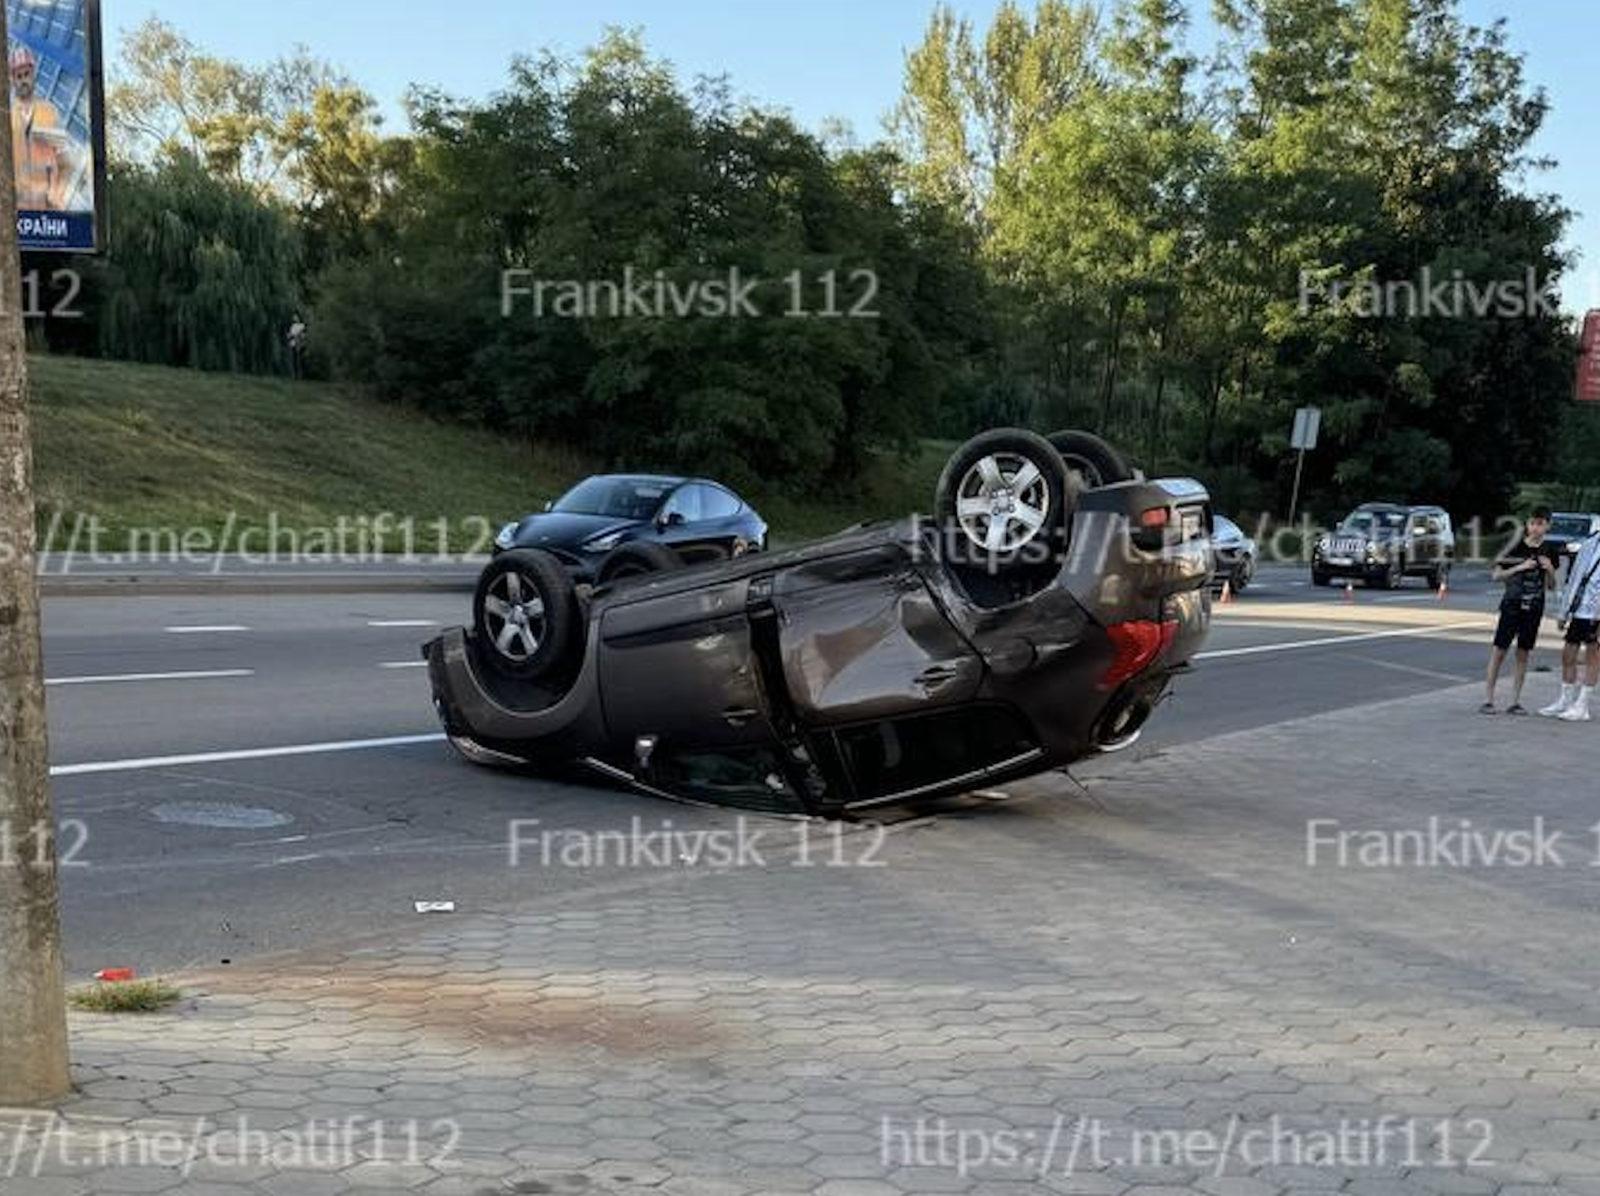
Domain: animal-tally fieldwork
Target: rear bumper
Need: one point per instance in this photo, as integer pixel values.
(501, 715)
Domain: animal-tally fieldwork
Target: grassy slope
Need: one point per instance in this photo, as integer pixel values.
(149, 447)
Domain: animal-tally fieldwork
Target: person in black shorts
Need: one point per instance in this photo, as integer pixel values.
(1579, 617)
(1528, 571)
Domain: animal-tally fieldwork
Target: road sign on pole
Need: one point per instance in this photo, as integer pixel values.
(1307, 424)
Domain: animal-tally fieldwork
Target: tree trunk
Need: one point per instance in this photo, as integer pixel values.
(33, 1020)
(1151, 462)
(1211, 410)
(1110, 391)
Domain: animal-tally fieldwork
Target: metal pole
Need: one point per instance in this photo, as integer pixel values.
(33, 1019)
(1294, 499)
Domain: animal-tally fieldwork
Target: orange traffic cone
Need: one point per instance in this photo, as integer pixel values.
(1227, 592)
(1349, 591)
(1444, 587)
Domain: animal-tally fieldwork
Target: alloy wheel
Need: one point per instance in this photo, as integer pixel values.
(1003, 502)
(514, 615)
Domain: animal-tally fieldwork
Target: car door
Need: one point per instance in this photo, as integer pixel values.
(700, 522)
(678, 665)
(722, 515)
(678, 521)
(861, 637)
(1423, 546)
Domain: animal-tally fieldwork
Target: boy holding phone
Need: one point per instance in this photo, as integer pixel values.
(1528, 571)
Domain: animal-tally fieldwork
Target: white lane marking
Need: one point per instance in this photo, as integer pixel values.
(402, 623)
(193, 675)
(211, 629)
(1435, 674)
(1332, 640)
(291, 859)
(300, 749)
(404, 664)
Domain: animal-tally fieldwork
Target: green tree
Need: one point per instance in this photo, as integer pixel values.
(205, 273)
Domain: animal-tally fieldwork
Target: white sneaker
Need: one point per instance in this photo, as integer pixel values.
(1569, 695)
(1579, 712)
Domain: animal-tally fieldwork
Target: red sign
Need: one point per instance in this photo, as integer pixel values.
(1589, 360)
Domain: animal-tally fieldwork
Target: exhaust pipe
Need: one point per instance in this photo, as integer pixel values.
(1122, 724)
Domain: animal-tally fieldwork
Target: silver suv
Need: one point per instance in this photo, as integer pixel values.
(1384, 543)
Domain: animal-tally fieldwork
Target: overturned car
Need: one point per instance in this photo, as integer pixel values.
(1038, 618)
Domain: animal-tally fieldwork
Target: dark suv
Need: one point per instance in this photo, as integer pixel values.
(1040, 617)
(1384, 543)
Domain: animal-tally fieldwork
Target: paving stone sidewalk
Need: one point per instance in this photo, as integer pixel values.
(1140, 983)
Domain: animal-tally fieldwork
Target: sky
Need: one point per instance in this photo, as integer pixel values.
(819, 59)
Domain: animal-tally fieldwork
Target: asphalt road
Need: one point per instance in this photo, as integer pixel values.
(311, 800)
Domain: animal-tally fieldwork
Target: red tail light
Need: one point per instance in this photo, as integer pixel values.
(1138, 645)
(1155, 517)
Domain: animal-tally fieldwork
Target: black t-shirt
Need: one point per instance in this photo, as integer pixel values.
(1526, 590)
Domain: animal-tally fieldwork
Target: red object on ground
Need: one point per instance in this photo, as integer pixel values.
(114, 975)
(1588, 388)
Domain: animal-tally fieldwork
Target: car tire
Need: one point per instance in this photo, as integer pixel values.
(1006, 500)
(1319, 578)
(1242, 576)
(526, 615)
(638, 559)
(1094, 461)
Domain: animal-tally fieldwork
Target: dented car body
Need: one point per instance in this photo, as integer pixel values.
(862, 670)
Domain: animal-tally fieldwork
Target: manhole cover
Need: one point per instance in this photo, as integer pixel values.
(224, 815)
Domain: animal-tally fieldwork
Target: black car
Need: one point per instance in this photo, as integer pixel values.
(1039, 618)
(1235, 555)
(1383, 543)
(699, 519)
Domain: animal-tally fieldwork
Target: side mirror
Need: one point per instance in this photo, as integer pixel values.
(672, 519)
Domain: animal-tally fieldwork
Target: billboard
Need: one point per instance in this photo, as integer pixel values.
(57, 123)
(1589, 360)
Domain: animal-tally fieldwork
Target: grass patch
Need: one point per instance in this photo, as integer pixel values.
(891, 486)
(137, 447)
(132, 996)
